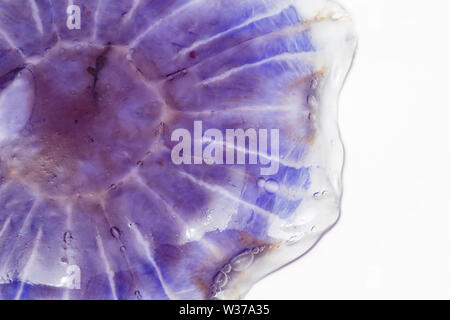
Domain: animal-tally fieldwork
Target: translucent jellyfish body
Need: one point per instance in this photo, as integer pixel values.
(165, 149)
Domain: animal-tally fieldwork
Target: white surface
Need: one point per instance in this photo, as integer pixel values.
(393, 240)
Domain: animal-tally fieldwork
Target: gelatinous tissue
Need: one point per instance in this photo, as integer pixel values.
(166, 149)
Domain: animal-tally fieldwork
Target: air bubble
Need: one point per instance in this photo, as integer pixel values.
(314, 83)
(213, 291)
(272, 186)
(261, 183)
(221, 279)
(312, 101)
(242, 261)
(320, 195)
(295, 238)
(115, 232)
(258, 250)
(227, 268)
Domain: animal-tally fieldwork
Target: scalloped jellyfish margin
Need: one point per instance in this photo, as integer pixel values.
(91, 206)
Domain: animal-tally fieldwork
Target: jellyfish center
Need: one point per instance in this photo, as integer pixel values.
(92, 120)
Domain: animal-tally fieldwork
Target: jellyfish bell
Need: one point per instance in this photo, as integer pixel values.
(92, 205)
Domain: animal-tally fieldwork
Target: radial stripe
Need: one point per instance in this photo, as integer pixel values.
(272, 13)
(29, 263)
(108, 269)
(144, 243)
(139, 38)
(287, 56)
(37, 16)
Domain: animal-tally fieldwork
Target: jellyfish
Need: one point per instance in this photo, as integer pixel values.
(156, 149)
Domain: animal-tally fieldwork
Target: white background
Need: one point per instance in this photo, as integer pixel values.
(393, 240)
